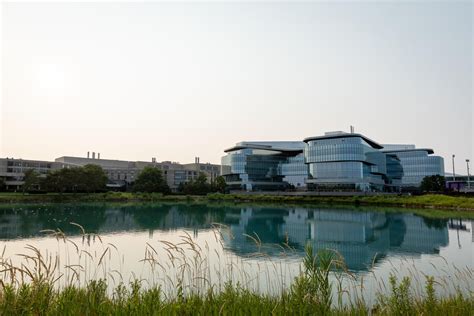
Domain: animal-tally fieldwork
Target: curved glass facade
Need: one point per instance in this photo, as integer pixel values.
(339, 149)
(334, 162)
(394, 170)
(294, 171)
(417, 164)
(254, 167)
(345, 161)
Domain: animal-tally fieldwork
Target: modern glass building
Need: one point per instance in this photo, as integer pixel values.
(417, 163)
(336, 161)
(261, 166)
(343, 161)
(394, 174)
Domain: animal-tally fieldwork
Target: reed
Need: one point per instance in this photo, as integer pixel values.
(183, 280)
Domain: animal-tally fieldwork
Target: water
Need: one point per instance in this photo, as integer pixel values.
(260, 247)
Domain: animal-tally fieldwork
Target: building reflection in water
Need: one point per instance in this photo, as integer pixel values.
(359, 236)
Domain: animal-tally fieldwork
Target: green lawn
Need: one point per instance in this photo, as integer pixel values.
(431, 203)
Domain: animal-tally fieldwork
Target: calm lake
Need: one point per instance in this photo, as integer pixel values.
(208, 245)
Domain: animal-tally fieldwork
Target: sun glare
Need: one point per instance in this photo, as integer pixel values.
(49, 80)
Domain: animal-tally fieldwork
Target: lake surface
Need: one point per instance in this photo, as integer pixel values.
(260, 247)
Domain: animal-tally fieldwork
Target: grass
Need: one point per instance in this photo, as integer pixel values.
(8, 197)
(40, 285)
(430, 205)
(310, 294)
(428, 200)
(422, 201)
(42, 299)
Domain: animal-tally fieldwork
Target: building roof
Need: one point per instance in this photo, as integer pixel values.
(345, 135)
(428, 150)
(25, 160)
(263, 147)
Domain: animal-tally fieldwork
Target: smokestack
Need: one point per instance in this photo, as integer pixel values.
(93, 155)
(87, 155)
(98, 156)
(352, 129)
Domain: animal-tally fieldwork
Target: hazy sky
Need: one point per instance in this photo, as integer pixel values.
(178, 80)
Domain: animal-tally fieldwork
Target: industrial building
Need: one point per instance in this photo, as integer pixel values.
(12, 170)
(120, 173)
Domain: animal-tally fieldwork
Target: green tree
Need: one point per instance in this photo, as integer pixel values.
(70, 179)
(435, 183)
(92, 178)
(201, 186)
(3, 185)
(49, 183)
(150, 180)
(62, 180)
(31, 180)
(219, 184)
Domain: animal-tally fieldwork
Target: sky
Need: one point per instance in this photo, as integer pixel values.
(179, 80)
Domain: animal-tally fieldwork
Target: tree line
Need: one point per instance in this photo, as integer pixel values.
(92, 178)
(434, 183)
(200, 185)
(86, 179)
(151, 180)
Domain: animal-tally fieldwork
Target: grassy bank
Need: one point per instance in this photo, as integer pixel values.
(427, 201)
(431, 205)
(460, 204)
(93, 197)
(421, 201)
(309, 294)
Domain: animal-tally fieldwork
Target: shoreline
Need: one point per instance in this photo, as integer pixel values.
(462, 206)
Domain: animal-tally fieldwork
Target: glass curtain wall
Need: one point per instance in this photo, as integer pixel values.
(344, 163)
(294, 171)
(337, 161)
(255, 169)
(394, 172)
(418, 164)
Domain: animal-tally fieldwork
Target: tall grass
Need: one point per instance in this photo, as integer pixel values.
(82, 278)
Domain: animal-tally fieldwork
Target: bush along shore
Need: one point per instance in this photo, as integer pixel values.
(311, 293)
(438, 201)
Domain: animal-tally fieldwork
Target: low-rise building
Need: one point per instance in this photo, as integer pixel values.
(12, 170)
(120, 173)
(460, 183)
(212, 171)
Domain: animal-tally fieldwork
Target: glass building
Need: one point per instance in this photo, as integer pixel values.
(417, 163)
(393, 179)
(261, 166)
(343, 161)
(336, 161)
